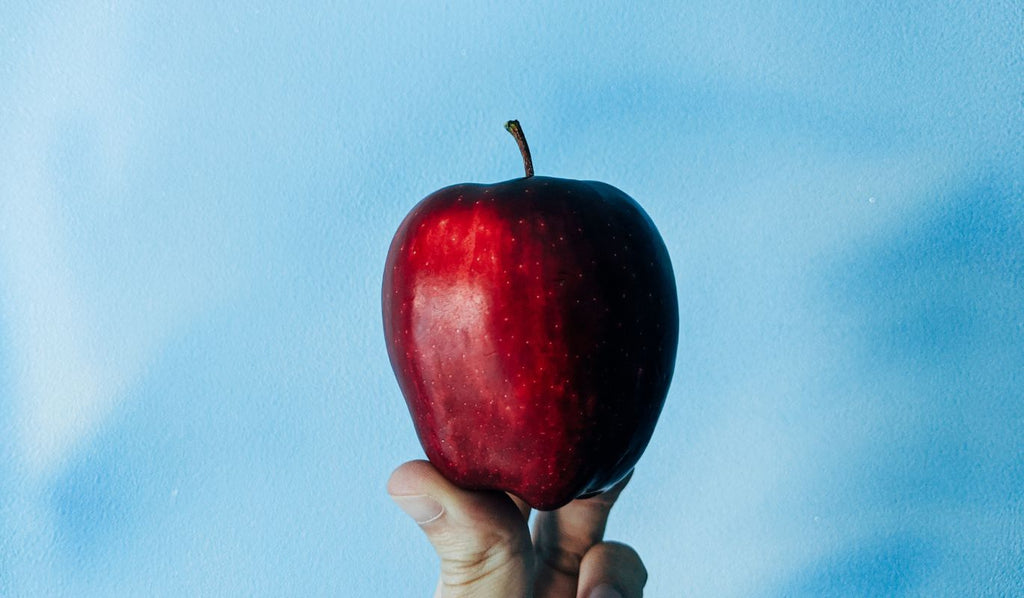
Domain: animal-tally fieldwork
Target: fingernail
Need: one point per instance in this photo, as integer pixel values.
(420, 507)
(604, 591)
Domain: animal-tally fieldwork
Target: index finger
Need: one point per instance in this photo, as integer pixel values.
(563, 536)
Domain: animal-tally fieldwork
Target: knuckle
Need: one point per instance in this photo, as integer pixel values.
(623, 556)
(469, 561)
(560, 558)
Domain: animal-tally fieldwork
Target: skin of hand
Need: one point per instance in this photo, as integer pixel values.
(486, 549)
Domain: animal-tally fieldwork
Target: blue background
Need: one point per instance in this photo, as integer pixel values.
(196, 202)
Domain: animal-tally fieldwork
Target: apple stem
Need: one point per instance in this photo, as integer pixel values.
(513, 127)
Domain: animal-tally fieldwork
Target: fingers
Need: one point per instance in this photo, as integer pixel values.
(612, 566)
(481, 537)
(562, 538)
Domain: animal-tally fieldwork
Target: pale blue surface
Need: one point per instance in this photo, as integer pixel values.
(195, 204)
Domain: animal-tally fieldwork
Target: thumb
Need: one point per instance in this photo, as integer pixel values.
(481, 538)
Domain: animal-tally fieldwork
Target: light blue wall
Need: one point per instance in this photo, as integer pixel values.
(195, 205)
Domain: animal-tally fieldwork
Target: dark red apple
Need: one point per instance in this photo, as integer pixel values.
(532, 326)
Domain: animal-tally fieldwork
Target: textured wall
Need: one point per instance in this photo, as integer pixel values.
(195, 204)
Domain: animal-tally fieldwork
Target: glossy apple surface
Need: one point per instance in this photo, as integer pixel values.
(532, 326)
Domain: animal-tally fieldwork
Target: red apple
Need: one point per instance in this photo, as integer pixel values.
(532, 326)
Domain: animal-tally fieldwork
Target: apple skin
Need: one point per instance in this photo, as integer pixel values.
(532, 326)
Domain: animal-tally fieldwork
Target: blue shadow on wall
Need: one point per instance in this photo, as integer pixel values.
(887, 566)
(936, 313)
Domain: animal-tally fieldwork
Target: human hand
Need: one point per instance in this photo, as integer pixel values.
(486, 549)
